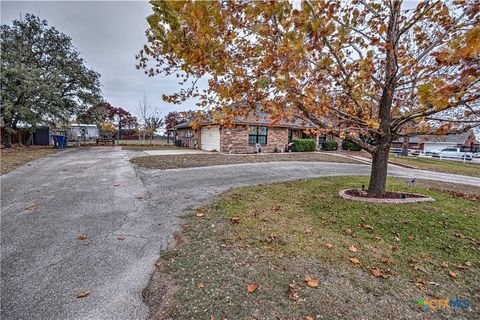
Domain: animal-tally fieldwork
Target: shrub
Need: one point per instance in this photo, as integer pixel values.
(303, 145)
(350, 146)
(330, 145)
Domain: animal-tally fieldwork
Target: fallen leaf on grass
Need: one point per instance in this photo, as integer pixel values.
(81, 236)
(460, 235)
(348, 232)
(311, 282)
(308, 230)
(355, 261)
(251, 288)
(452, 274)
(419, 283)
(293, 292)
(309, 318)
(235, 220)
(329, 245)
(367, 226)
(415, 266)
(32, 208)
(199, 214)
(276, 207)
(83, 294)
(378, 273)
(200, 285)
(352, 248)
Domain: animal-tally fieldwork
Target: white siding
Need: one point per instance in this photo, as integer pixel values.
(436, 146)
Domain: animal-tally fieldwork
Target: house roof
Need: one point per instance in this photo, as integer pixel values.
(451, 138)
(260, 118)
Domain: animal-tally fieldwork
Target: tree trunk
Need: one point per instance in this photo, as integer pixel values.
(405, 145)
(378, 175)
(30, 139)
(8, 139)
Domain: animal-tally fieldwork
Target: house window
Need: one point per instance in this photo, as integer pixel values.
(290, 135)
(322, 138)
(257, 135)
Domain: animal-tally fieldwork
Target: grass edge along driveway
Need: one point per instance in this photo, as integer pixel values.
(164, 162)
(12, 158)
(445, 166)
(295, 250)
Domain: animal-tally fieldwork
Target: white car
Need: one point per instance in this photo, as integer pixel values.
(453, 153)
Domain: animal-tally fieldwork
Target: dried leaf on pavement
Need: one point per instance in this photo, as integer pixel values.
(81, 236)
(82, 294)
(32, 208)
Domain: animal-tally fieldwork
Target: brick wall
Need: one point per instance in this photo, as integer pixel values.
(236, 139)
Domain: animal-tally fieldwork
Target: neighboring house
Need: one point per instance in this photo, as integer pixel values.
(242, 136)
(429, 143)
(467, 140)
(84, 131)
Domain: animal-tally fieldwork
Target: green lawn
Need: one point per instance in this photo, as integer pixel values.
(447, 166)
(215, 159)
(275, 235)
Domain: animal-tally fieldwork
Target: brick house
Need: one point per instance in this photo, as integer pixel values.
(241, 136)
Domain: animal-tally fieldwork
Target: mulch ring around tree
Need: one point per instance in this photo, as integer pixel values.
(388, 197)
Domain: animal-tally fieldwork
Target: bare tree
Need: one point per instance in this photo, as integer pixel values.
(145, 111)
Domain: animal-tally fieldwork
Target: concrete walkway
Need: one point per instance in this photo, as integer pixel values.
(97, 192)
(172, 152)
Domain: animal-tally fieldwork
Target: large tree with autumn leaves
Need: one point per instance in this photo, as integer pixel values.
(368, 71)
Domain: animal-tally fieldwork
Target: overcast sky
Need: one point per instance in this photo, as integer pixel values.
(108, 35)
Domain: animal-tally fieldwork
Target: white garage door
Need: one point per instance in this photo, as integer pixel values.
(210, 138)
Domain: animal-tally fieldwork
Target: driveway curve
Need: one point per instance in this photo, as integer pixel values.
(127, 214)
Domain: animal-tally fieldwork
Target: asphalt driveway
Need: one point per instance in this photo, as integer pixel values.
(127, 214)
